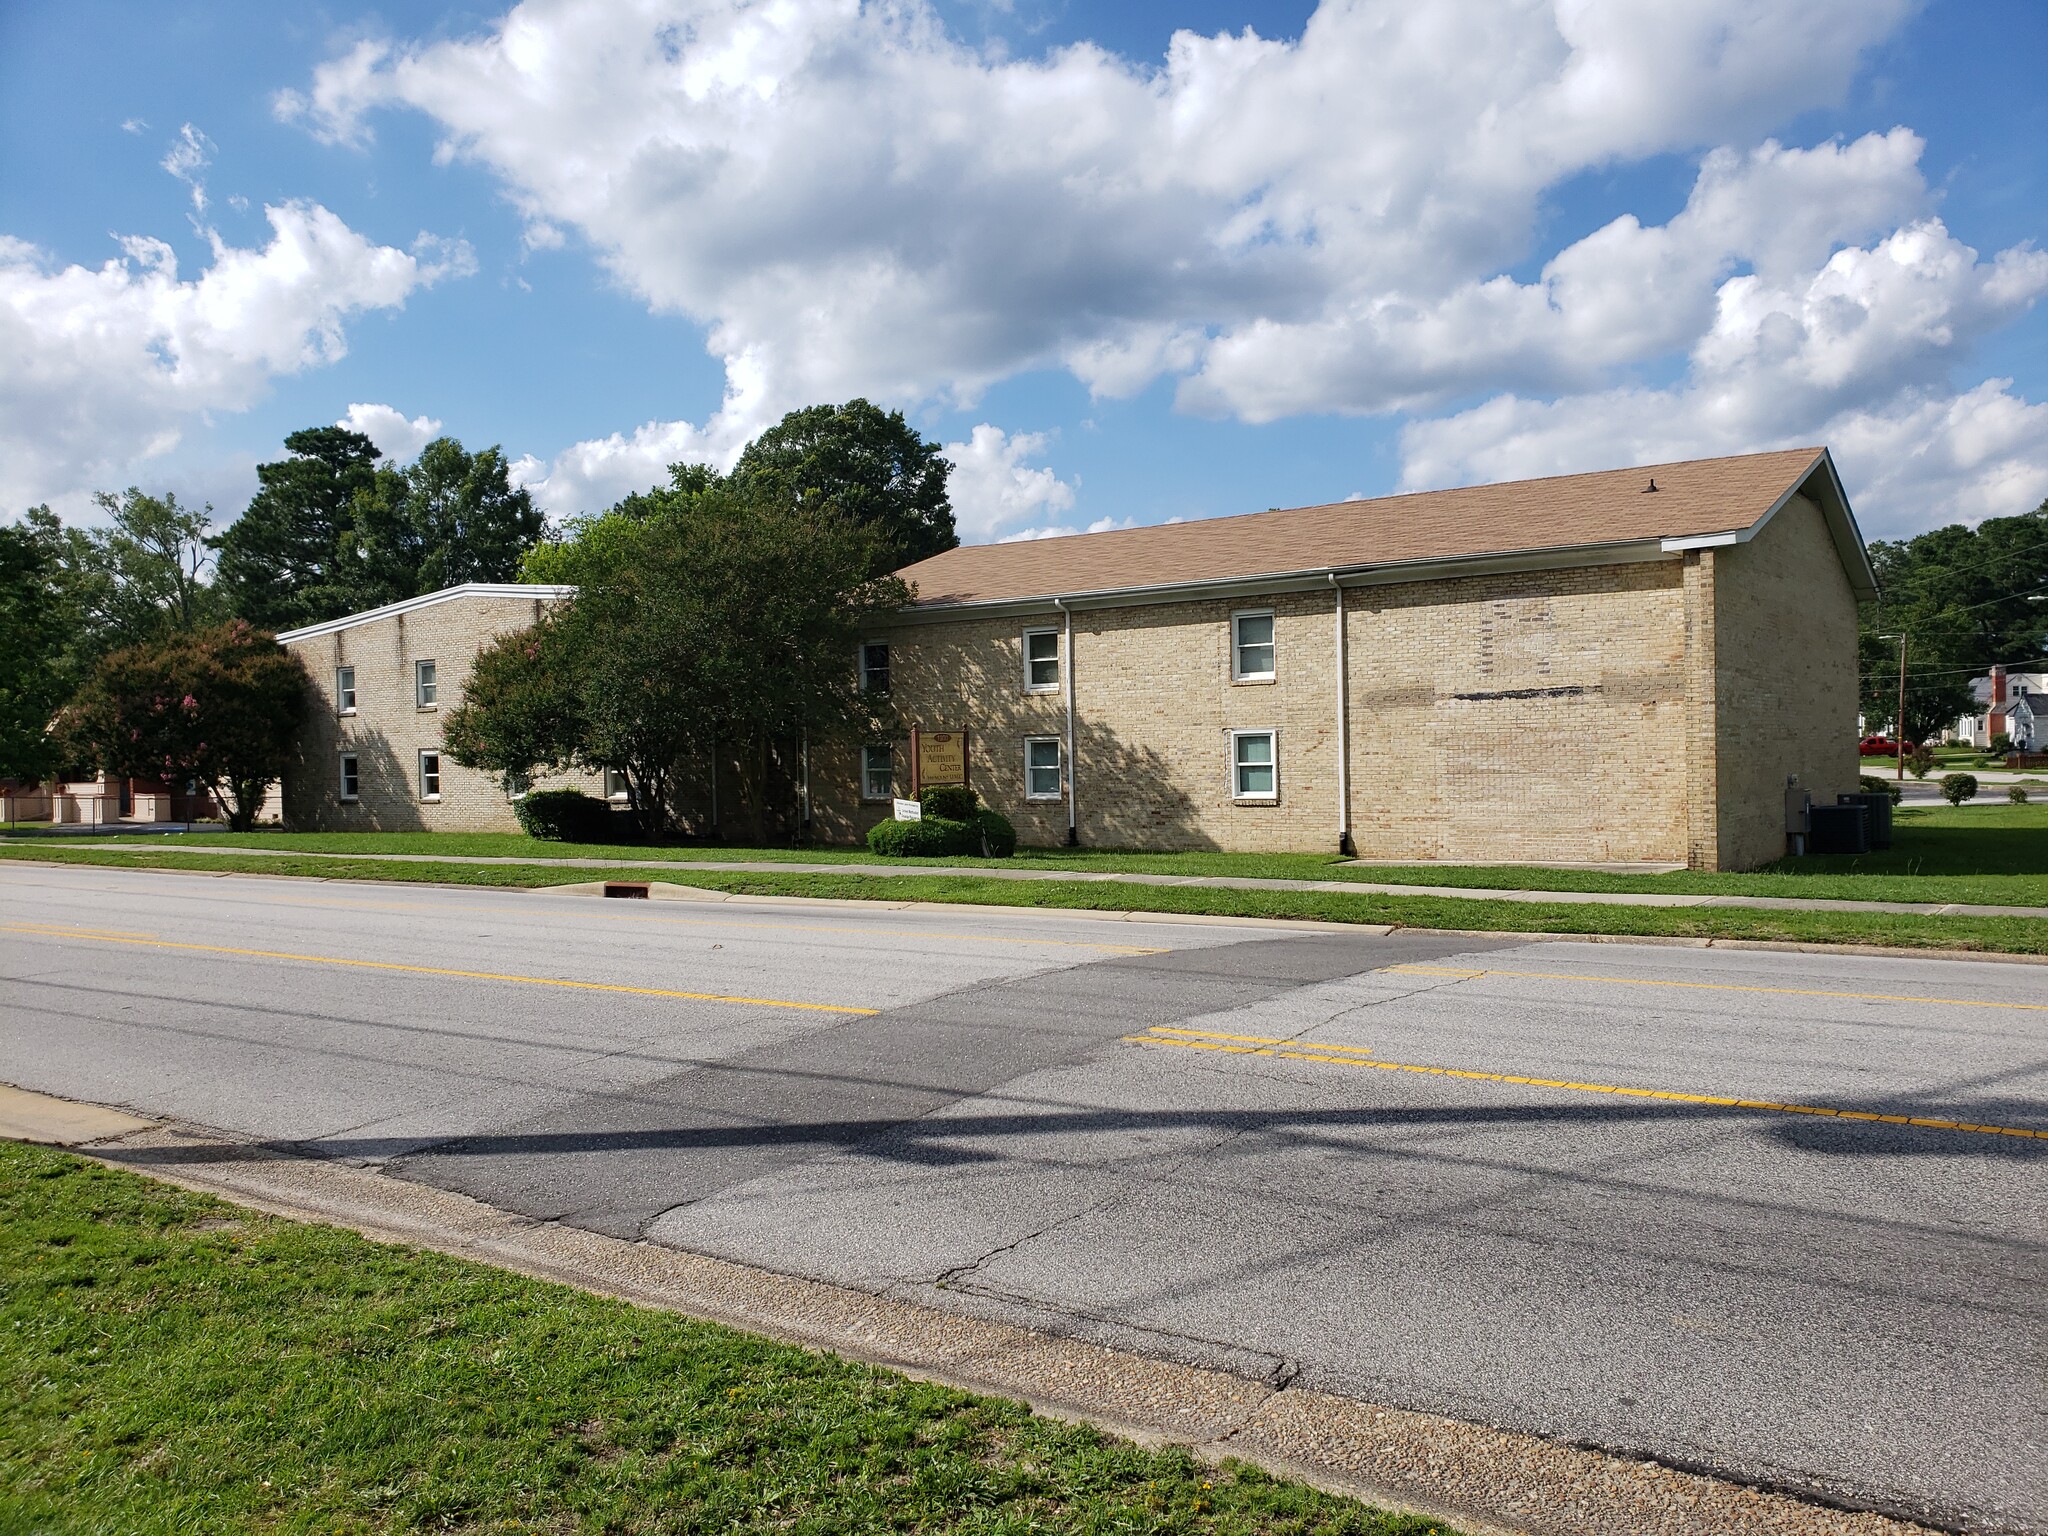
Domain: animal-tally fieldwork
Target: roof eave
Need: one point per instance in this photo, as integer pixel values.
(509, 589)
(1386, 573)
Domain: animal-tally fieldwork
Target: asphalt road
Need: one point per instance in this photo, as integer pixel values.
(1209, 1143)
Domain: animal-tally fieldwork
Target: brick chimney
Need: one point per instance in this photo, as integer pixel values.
(1997, 685)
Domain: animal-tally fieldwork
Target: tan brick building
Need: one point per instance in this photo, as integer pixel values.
(1621, 666)
(370, 755)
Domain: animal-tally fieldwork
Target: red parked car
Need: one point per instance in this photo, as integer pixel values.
(1879, 746)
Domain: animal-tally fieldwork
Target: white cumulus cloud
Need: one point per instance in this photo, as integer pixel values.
(387, 427)
(993, 488)
(850, 200)
(103, 368)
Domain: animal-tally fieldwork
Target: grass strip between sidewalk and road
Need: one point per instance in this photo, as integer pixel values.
(171, 1363)
(1982, 855)
(2007, 935)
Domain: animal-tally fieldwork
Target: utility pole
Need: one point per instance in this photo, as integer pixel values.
(1900, 723)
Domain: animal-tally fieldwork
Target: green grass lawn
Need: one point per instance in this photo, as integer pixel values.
(1988, 853)
(1331, 903)
(170, 1363)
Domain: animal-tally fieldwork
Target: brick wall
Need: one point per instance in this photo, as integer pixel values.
(389, 729)
(1530, 716)
(1785, 681)
(1539, 715)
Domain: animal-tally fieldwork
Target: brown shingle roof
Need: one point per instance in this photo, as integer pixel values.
(1699, 496)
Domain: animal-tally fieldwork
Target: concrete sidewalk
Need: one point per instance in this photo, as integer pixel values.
(684, 867)
(1486, 1481)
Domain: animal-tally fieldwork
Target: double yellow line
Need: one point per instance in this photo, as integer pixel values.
(1361, 1056)
(108, 936)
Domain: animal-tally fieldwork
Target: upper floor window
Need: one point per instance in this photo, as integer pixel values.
(878, 772)
(1041, 660)
(874, 667)
(345, 690)
(1251, 647)
(426, 684)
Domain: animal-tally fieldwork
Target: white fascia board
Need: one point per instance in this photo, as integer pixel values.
(511, 589)
(1834, 511)
(1314, 579)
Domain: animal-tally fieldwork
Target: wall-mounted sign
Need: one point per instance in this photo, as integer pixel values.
(909, 810)
(938, 757)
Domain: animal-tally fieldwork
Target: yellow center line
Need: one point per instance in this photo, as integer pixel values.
(1709, 986)
(97, 933)
(1212, 1034)
(432, 970)
(1669, 1095)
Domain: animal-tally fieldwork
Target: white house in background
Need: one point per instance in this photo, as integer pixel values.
(1998, 696)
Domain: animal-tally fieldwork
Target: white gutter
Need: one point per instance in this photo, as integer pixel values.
(1344, 843)
(1067, 659)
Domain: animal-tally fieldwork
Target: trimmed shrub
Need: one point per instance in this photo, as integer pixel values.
(933, 837)
(2000, 745)
(2016, 793)
(995, 838)
(1958, 787)
(564, 815)
(950, 802)
(1871, 785)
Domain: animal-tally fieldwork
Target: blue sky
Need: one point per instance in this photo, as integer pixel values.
(1368, 248)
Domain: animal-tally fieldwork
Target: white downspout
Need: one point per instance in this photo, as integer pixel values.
(1067, 669)
(1345, 845)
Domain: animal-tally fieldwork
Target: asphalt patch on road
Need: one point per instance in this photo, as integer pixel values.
(614, 1162)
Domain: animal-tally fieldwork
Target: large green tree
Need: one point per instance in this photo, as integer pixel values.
(34, 635)
(1964, 600)
(220, 706)
(870, 464)
(451, 516)
(282, 562)
(725, 621)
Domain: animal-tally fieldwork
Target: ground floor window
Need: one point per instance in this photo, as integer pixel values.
(878, 773)
(615, 784)
(1042, 768)
(430, 775)
(351, 776)
(1254, 765)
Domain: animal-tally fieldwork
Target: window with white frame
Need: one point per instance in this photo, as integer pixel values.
(1254, 765)
(344, 690)
(1041, 661)
(430, 775)
(874, 667)
(1042, 768)
(351, 776)
(1251, 647)
(615, 784)
(426, 684)
(878, 772)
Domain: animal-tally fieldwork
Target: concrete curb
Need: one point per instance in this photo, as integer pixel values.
(1486, 1481)
(671, 891)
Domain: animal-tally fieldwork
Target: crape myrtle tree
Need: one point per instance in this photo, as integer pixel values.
(723, 621)
(219, 706)
(1963, 599)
